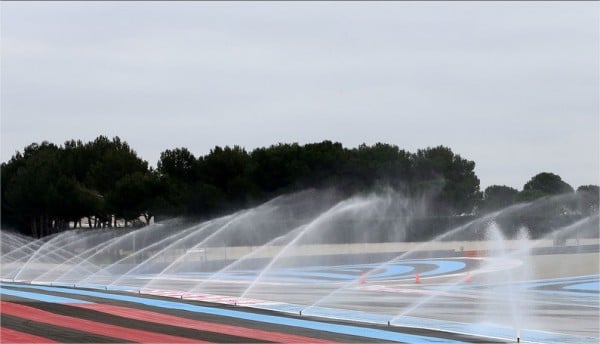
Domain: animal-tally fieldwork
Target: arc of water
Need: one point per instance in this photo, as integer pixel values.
(12, 240)
(81, 258)
(185, 234)
(271, 205)
(84, 258)
(24, 251)
(247, 256)
(402, 256)
(73, 243)
(340, 207)
(61, 258)
(97, 252)
(32, 245)
(427, 298)
(514, 301)
(234, 218)
(11, 265)
(56, 250)
(37, 253)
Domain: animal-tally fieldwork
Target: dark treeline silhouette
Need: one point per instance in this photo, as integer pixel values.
(103, 183)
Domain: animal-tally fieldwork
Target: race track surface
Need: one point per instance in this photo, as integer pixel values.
(44, 314)
(445, 300)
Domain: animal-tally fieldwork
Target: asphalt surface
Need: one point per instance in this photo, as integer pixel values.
(107, 320)
(560, 297)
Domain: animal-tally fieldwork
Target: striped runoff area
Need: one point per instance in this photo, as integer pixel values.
(46, 314)
(34, 313)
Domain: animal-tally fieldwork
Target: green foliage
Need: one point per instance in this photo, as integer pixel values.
(203, 200)
(449, 177)
(136, 194)
(497, 197)
(227, 169)
(31, 193)
(48, 188)
(546, 184)
(530, 195)
(324, 162)
(178, 164)
(112, 160)
(278, 168)
(379, 163)
(587, 196)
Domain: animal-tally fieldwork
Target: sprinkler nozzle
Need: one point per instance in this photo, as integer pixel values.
(518, 339)
(300, 312)
(388, 323)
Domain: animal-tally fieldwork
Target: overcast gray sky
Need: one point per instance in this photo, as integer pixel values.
(513, 86)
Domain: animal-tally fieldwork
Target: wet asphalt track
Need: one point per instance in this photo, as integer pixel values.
(41, 313)
(53, 314)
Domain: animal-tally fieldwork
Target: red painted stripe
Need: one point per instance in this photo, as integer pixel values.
(160, 318)
(11, 336)
(98, 328)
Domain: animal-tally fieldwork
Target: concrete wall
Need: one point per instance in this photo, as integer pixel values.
(214, 253)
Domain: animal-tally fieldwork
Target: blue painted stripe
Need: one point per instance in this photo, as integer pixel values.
(590, 286)
(390, 271)
(481, 330)
(562, 279)
(343, 314)
(493, 331)
(558, 281)
(444, 266)
(574, 286)
(341, 273)
(271, 319)
(39, 297)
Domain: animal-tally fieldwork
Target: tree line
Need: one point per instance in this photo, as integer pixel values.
(49, 188)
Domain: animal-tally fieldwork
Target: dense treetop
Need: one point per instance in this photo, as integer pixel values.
(49, 188)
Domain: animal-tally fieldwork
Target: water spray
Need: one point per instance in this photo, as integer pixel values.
(101, 260)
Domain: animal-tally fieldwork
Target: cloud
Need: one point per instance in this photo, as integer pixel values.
(503, 84)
